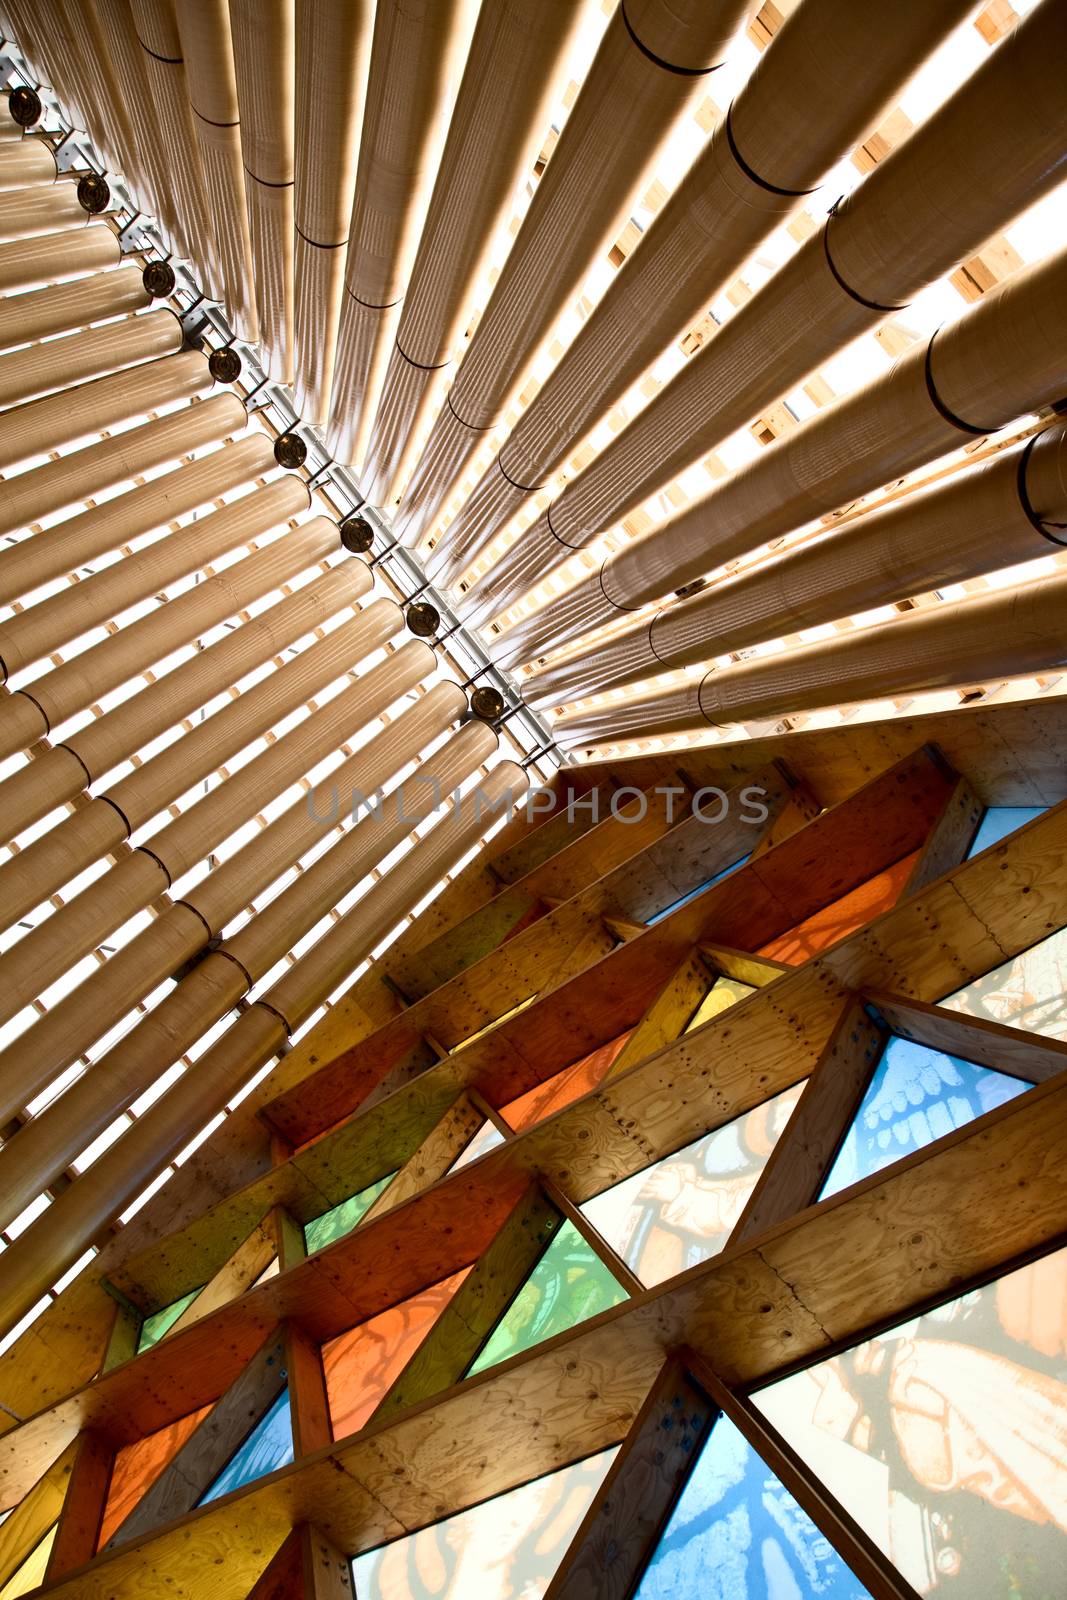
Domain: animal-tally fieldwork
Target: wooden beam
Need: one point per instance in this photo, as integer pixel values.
(283, 1576)
(667, 1014)
(799, 1162)
(835, 853)
(554, 833)
(198, 1463)
(490, 1114)
(1030, 1056)
(879, 1271)
(419, 972)
(954, 930)
(950, 837)
(800, 809)
(124, 1336)
(289, 1241)
(674, 1096)
(309, 1407)
(599, 1246)
(327, 1573)
(759, 971)
(622, 1526)
(39, 1508)
(477, 1306)
(252, 1256)
(952, 1214)
(1010, 752)
(879, 1577)
(83, 1506)
(443, 1144)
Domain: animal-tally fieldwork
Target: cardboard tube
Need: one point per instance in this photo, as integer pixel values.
(66, 306)
(824, 79)
(62, 419)
(604, 156)
(1009, 509)
(929, 204)
(422, 48)
(76, 358)
(1007, 634)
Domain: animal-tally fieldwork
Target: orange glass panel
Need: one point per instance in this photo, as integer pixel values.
(362, 1364)
(138, 1465)
(824, 928)
(559, 1090)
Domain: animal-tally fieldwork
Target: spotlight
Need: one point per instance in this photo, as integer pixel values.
(423, 619)
(225, 366)
(158, 278)
(290, 450)
(357, 535)
(94, 195)
(24, 104)
(487, 703)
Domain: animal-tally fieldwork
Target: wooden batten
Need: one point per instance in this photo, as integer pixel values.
(666, 1016)
(83, 1505)
(619, 1531)
(309, 1407)
(288, 1235)
(307, 1567)
(252, 1257)
(189, 1475)
(442, 1145)
(800, 809)
(991, 1044)
(840, 849)
(759, 971)
(932, 971)
(40, 1507)
(755, 1311)
(950, 837)
(878, 1575)
(471, 1315)
(800, 1160)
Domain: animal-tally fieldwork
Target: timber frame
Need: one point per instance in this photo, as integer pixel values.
(388, 1083)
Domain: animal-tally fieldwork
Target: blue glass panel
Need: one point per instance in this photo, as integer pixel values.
(916, 1096)
(676, 905)
(268, 1447)
(334, 1224)
(737, 1534)
(998, 822)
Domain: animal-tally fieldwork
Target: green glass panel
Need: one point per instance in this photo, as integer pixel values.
(568, 1284)
(160, 1322)
(342, 1219)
